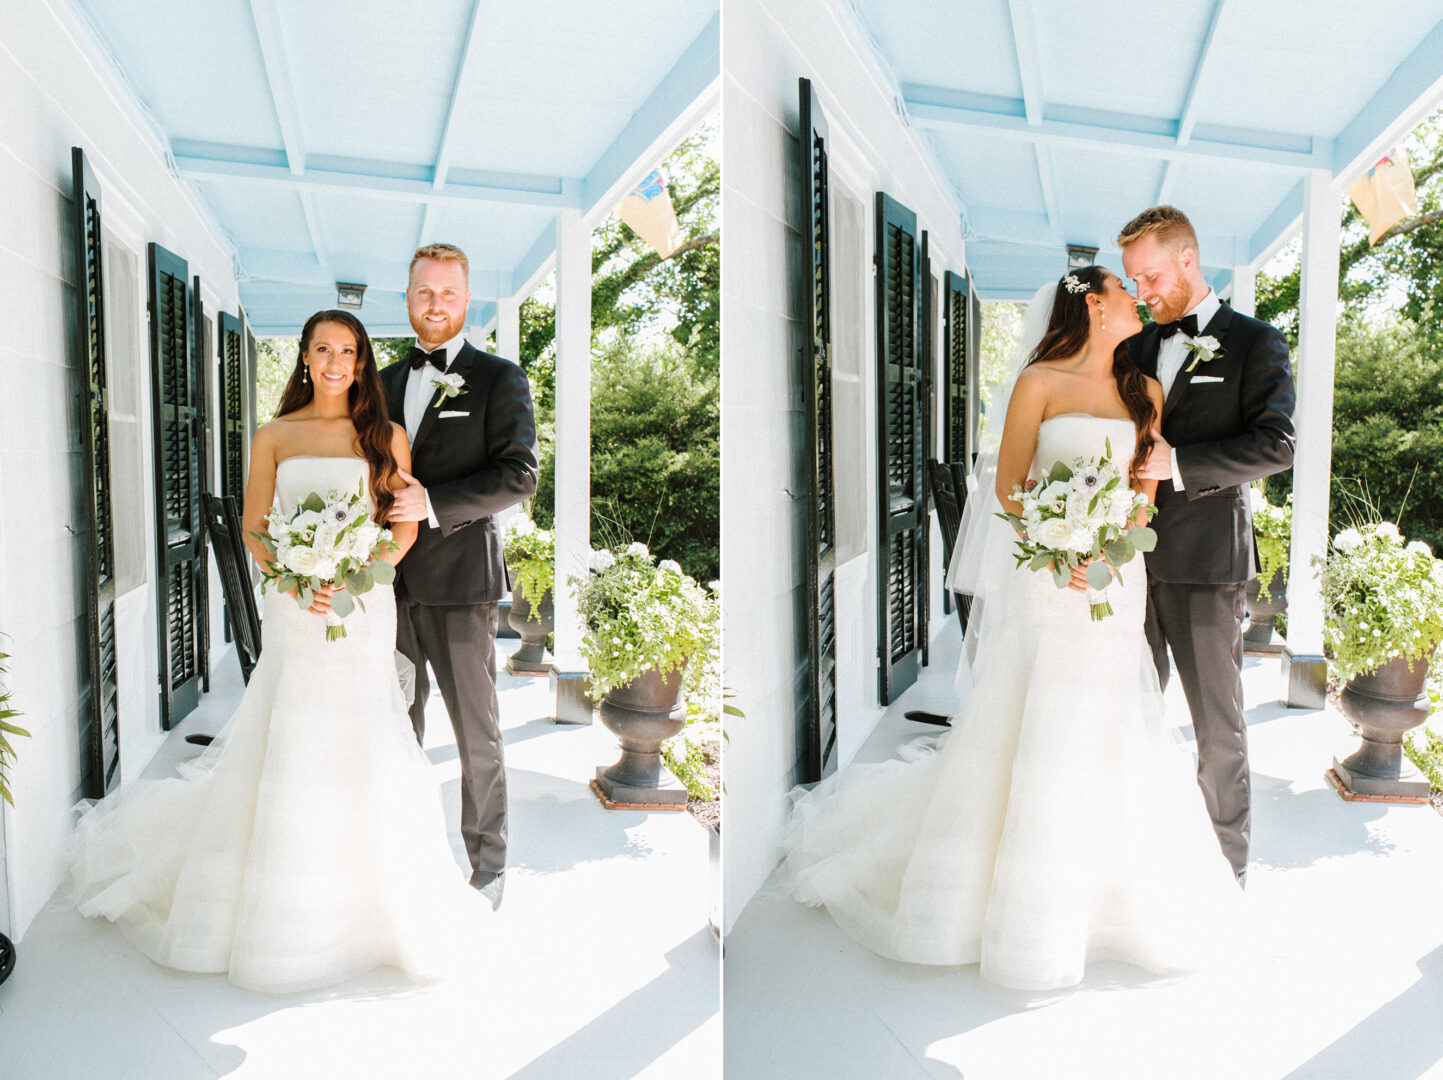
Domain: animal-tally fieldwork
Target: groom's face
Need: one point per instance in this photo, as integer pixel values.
(1161, 274)
(437, 298)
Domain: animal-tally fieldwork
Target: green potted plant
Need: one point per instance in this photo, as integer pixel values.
(651, 633)
(1383, 608)
(1267, 594)
(530, 555)
(7, 758)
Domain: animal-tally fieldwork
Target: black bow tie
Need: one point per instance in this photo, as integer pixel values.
(1187, 324)
(420, 357)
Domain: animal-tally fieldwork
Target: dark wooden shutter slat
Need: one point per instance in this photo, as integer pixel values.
(178, 459)
(959, 380)
(819, 750)
(900, 448)
(100, 708)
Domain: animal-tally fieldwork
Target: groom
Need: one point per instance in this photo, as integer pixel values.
(1227, 420)
(473, 454)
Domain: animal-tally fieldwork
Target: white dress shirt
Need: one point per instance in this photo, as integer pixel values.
(1172, 355)
(420, 388)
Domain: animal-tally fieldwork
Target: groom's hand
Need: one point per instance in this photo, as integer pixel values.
(1158, 464)
(410, 504)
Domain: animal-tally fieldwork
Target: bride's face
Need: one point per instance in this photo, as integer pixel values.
(331, 358)
(1119, 307)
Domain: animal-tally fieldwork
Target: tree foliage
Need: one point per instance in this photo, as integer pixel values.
(655, 453)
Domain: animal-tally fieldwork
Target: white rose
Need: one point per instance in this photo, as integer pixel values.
(1389, 531)
(1347, 540)
(302, 560)
(1054, 533)
(1207, 341)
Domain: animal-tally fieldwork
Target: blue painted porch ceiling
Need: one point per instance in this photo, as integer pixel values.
(1056, 121)
(331, 139)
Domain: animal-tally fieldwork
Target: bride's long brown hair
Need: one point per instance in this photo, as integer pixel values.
(1066, 335)
(368, 406)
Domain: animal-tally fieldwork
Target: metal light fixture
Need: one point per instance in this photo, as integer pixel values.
(1080, 255)
(349, 295)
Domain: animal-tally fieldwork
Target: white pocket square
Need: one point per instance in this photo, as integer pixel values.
(449, 414)
(1195, 378)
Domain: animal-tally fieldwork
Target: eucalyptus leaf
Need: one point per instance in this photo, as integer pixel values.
(1061, 576)
(1120, 551)
(342, 604)
(305, 597)
(359, 581)
(382, 572)
(1041, 559)
(1098, 576)
(1143, 538)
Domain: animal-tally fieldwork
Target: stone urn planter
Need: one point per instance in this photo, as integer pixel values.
(642, 714)
(7, 957)
(1260, 635)
(1385, 704)
(534, 625)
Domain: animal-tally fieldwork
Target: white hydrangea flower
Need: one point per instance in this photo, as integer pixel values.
(1418, 547)
(1347, 540)
(1389, 531)
(601, 560)
(672, 565)
(638, 550)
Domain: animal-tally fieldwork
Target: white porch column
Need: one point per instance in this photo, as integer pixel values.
(1304, 669)
(573, 455)
(1245, 290)
(508, 328)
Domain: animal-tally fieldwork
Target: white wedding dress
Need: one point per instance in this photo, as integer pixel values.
(1059, 823)
(307, 845)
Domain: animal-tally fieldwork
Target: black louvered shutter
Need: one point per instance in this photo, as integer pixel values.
(956, 421)
(179, 525)
(201, 395)
(901, 516)
(232, 425)
(927, 363)
(820, 751)
(100, 705)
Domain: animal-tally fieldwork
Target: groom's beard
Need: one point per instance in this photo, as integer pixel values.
(434, 335)
(1173, 306)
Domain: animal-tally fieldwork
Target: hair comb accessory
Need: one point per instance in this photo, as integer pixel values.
(1073, 284)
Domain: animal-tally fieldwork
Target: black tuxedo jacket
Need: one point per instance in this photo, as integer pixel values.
(1231, 420)
(472, 466)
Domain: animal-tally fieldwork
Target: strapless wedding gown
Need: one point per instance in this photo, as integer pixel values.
(1059, 823)
(307, 845)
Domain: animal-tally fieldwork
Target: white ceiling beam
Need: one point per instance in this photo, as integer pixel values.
(1024, 38)
(543, 192)
(465, 77)
(1207, 60)
(278, 76)
(1044, 177)
(926, 111)
(313, 226)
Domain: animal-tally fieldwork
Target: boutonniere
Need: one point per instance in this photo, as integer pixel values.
(1203, 349)
(451, 385)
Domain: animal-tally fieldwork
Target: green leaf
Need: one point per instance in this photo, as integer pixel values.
(305, 597)
(1120, 551)
(1041, 559)
(382, 572)
(1061, 575)
(1098, 576)
(342, 604)
(1143, 538)
(313, 503)
(1059, 471)
(11, 729)
(359, 581)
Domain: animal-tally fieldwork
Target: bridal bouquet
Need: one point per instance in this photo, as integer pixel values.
(1082, 511)
(328, 541)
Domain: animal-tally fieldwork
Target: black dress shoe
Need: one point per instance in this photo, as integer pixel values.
(490, 885)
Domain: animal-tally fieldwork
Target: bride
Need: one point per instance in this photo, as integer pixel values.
(1059, 822)
(308, 845)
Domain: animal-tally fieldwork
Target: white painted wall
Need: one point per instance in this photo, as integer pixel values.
(765, 49)
(59, 92)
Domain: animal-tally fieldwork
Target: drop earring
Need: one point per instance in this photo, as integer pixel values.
(305, 374)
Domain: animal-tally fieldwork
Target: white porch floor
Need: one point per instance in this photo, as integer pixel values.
(605, 968)
(1342, 977)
